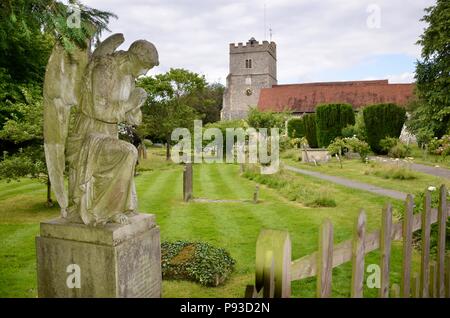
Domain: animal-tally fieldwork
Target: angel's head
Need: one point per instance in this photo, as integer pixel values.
(143, 56)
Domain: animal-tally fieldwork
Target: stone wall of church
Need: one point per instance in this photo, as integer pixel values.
(244, 84)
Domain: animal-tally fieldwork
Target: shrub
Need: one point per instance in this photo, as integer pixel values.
(388, 143)
(359, 146)
(295, 127)
(330, 120)
(381, 121)
(358, 129)
(338, 147)
(440, 146)
(395, 148)
(341, 146)
(310, 130)
(418, 202)
(196, 261)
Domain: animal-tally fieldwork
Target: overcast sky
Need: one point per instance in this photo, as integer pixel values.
(326, 40)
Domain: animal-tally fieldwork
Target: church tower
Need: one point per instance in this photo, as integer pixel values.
(253, 66)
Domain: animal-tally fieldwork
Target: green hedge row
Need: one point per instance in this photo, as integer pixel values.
(309, 125)
(381, 121)
(295, 127)
(330, 120)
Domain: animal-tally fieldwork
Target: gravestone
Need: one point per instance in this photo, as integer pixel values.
(100, 246)
(187, 182)
(255, 194)
(115, 260)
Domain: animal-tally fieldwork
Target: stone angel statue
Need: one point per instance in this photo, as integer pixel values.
(101, 86)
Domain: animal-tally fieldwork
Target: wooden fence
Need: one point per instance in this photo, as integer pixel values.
(275, 271)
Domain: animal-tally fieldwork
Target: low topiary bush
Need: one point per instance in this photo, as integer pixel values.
(295, 127)
(395, 148)
(330, 120)
(196, 261)
(310, 130)
(381, 121)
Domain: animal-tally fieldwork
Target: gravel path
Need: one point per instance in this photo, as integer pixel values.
(434, 171)
(351, 184)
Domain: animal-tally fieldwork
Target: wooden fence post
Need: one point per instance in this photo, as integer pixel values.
(433, 281)
(425, 260)
(250, 292)
(415, 292)
(448, 277)
(325, 260)
(442, 234)
(395, 291)
(407, 246)
(358, 253)
(187, 182)
(269, 275)
(279, 243)
(385, 249)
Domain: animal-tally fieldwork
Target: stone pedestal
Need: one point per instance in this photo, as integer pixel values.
(75, 260)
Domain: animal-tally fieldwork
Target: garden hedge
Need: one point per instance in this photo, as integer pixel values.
(330, 119)
(295, 127)
(309, 125)
(381, 121)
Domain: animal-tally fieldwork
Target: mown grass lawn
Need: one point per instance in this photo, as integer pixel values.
(233, 226)
(364, 172)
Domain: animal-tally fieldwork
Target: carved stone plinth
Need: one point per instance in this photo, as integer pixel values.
(76, 260)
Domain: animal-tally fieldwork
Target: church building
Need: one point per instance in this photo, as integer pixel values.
(252, 82)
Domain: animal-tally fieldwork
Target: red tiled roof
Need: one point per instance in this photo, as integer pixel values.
(304, 98)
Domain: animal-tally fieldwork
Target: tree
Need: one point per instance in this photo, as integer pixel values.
(260, 119)
(382, 121)
(168, 103)
(296, 127)
(28, 31)
(431, 113)
(309, 124)
(208, 102)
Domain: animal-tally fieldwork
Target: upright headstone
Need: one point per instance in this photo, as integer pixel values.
(255, 194)
(78, 260)
(187, 182)
(241, 168)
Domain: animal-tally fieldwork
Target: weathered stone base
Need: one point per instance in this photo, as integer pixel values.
(113, 261)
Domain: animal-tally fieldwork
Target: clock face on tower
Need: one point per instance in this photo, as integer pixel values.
(248, 92)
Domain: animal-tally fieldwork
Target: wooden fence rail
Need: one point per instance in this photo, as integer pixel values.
(275, 271)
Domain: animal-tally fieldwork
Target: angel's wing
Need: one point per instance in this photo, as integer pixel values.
(63, 77)
(109, 45)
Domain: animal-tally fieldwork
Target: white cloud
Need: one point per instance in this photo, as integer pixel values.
(313, 37)
(406, 77)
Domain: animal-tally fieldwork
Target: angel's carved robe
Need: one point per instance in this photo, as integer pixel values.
(101, 167)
